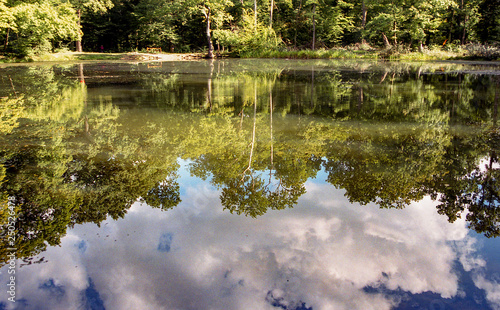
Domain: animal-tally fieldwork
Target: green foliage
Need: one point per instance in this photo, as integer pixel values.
(38, 25)
(249, 37)
(157, 27)
(6, 16)
(11, 109)
(96, 6)
(28, 28)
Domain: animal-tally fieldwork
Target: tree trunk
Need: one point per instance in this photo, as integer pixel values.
(253, 133)
(271, 15)
(395, 33)
(451, 26)
(465, 29)
(255, 13)
(297, 23)
(271, 129)
(495, 102)
(314, 27)
(363, 14)
(6, 39)
(386, 41)
(79, 42)
(209, 36)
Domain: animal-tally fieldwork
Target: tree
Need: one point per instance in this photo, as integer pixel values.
(214, 13)
(7, 21)
(83, 6)
(38, 25)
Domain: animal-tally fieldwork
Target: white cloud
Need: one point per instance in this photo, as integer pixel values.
(322, 252)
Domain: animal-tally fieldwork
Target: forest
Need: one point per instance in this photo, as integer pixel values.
(244, 27)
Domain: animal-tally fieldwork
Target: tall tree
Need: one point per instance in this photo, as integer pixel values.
(83, 6)
(214, 13)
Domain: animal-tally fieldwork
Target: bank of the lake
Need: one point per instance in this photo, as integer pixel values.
(85, 56)
(468, 52)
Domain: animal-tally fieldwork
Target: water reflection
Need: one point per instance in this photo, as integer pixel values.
(98, 142)
(323, 254)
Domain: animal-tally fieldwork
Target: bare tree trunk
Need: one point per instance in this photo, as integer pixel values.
(79, 42)
(464, 34)
(271, 14)
(363, 14)
(386, 41)
(363, 20)
(451, 25)
(297, 23)
(314, 27)
(6, 39)
(209, 35)
(255, 13)
(395, 34)
(465, 18)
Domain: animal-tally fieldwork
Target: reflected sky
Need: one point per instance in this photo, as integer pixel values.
(325, 253)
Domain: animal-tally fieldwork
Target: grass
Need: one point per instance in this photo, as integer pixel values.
(341, 53)
(63, 56)
(359, 53)
(67, 56)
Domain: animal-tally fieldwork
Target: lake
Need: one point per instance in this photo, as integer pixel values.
(250, 184)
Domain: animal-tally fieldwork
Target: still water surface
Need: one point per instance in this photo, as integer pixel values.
(249, 184)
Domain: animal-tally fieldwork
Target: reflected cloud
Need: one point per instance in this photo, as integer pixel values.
(323, 254)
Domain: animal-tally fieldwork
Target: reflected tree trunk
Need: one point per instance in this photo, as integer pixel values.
(360, 98)
(252, 144)
(271, 129)
(80, 74)
(312, 87)
(12, 85)
(383, 77)
(209, 85)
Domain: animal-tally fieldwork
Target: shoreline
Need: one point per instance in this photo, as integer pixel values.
(304, 54)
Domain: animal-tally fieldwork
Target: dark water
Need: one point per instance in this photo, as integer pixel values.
(249, 184)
